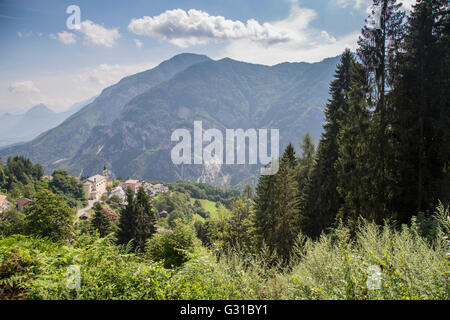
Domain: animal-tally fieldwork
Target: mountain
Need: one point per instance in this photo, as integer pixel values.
(128, 127)
(60, 144)
(24, 127)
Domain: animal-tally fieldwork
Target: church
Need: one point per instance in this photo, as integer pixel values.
(95, 186)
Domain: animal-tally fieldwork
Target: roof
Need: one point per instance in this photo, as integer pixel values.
(23, 201)
(118, 190)
(131, 181)
(97, 178)
(2, 200)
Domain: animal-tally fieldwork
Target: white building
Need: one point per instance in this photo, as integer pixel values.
(95, 186)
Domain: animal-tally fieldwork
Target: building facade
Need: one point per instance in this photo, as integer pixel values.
(95, 186)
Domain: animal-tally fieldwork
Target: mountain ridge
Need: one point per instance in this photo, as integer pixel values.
(135, 139)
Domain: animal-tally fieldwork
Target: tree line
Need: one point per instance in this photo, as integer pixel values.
(385, 151)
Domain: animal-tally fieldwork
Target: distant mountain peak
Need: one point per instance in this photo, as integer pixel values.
(188, 55)
(185, 59)
(39, 110)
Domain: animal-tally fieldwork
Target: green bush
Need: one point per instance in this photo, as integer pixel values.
(172, 246)
(38, 269)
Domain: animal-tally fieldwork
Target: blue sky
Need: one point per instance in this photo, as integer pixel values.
(42, 61)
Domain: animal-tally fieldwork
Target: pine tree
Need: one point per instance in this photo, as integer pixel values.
(323, 198)
(145, 219)
(287, 216)
(137, 221)
(264, 209)
(304, 170)
(101, 222)
(277, 214)
(353, 163)
(378, 49)
(127, 220)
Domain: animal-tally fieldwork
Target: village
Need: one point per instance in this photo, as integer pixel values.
(98, 188)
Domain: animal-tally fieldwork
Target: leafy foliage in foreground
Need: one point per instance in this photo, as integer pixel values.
(334, 267)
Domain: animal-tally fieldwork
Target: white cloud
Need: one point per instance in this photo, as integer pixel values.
(365, 4)
(138, 43)
(307, 43)
(196, 27)
(18, 96)
(64, 37)
(97, 35)
(24, 35)
(23, 87)
(60, 91)
(94, 35)
(357, 4)
(289, 39)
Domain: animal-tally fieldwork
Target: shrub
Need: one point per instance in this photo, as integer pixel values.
(39, 268)
(336, 267)
(172, 246)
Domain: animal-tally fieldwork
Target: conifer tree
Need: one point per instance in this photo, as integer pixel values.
(323, 198)
(264, 209)
(304, 170)
(101, 222)
(137, 221)
(127, 220)
(277, 214)
(378, 48)
(145, 219)
(353, 162)
(422, 115)
(287, 217)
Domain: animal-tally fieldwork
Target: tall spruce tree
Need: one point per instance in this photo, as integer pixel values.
(145, 219)
(127, 220)
(277, 212)
(353, 162)
(323, 198)
(101, 222)
(378, 48)
(287, 204)
(137, 220)
(264, 209)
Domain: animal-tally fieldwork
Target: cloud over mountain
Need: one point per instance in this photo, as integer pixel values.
(23, 87)
(194, 27)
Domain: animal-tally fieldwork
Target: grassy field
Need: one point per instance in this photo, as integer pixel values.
(219, 213)
(207, 205)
